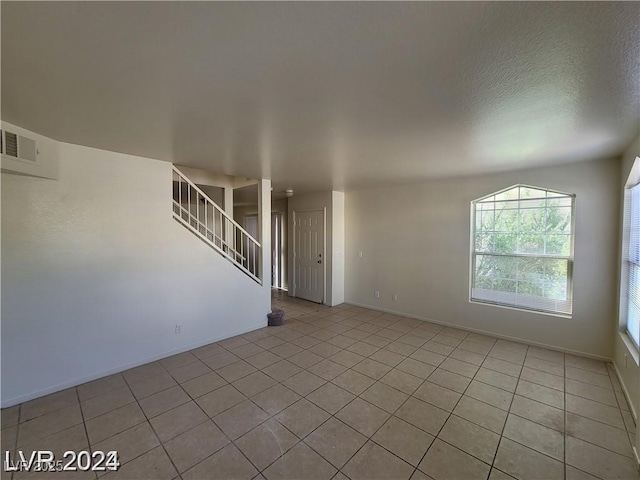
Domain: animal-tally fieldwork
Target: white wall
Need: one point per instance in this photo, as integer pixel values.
(96, 274)
(333, 205)
(625, 355)
(415, 243)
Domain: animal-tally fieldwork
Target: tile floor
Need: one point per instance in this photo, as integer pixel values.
(344, 392)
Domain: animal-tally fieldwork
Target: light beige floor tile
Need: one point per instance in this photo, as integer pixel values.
(254, 383)
(275, 399)
(542, 378)
(497, 379)
(232, 342)
(9, 416)
(269, 342)
(498, 475)
(372, 368)
(384, 397)
(220, 400)
(240, 419)
(538, 412)
(353, 382)
(481, 413)
(548, 396)
(302, 417)
(346, 358)
(335, 441)
(301, 462)
(488, 394)
(502, 366)
(148, 386)
(600, 434)
(305, 359)
(373, 461)
(546, 354)
(584, 363)
(377, 340)
(189, 371)
(48, 424)
(236, 371)
(325, 349)
(154, 464)
(363, 349)
(282, 370)
(598, 461)
(130, 443)
(449, 380)
(628, 421)
(342, 341)
(162, 401)
(193, 446)
(544, 365)
(304, 383)
(402, 381)
(114, 422)
(595, 411)
(533, 435)
(204, 384)
(475, 347)
(404, 440)
(435, 347)
(447, 340)
(416, 368)
(436, 395)
(591, 392)
(178, 360)
(467, 356)
(507, 356)
(400, 348)
(524, 463)
(586, 376)
(444, 461)
(470, 438)
(363, 416)
(422, 415)
(107, 402)
(330, 397)
(73, 438)
(430, 358)
(207, 351)
(575, 474)
(461, 368)
(413, 340)
(9, 438)
(388, 358)
(112, 382)
(43, 405)
(327, 369)
(247, 350)
(221, 360)
(174, 422)
(228, 463)
(266, 443)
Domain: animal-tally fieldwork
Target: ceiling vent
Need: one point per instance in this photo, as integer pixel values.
(17, 146)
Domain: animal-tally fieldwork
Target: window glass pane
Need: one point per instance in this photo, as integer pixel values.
(558, 245)
(505, 243)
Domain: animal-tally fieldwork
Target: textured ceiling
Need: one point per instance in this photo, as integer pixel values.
(328, 95)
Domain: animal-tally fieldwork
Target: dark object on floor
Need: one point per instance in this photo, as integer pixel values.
(276, 317)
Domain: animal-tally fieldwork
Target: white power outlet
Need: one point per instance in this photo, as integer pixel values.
(395, 297)
(178, 328)
(376, 294)
(360, 254)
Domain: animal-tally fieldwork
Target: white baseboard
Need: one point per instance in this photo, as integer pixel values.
(483, 332)
(634, 413)
(120, 368)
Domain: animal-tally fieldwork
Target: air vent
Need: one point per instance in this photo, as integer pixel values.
(17, 146)
(11, 144)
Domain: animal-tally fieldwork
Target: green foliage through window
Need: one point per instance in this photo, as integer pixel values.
(523, 249)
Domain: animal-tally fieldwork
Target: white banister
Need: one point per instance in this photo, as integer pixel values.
(219, 231)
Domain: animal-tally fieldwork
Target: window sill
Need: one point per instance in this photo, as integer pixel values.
(524, 310)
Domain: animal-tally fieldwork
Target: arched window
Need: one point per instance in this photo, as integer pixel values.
(522, 249)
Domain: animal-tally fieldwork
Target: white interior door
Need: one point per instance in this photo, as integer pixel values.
(309, 254)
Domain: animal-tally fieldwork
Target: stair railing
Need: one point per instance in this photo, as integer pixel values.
(196, 211)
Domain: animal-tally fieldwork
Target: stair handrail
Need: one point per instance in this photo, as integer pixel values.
(233, 258)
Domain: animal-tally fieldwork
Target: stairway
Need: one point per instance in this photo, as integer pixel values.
(204, 218)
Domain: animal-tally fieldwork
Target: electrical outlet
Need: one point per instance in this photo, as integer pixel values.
(360, 254)
(376, 294)
(395, 297)
(178, 328)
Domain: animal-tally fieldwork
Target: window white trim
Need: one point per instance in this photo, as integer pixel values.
(526, 253)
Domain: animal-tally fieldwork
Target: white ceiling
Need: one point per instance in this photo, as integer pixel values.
(328, 95)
